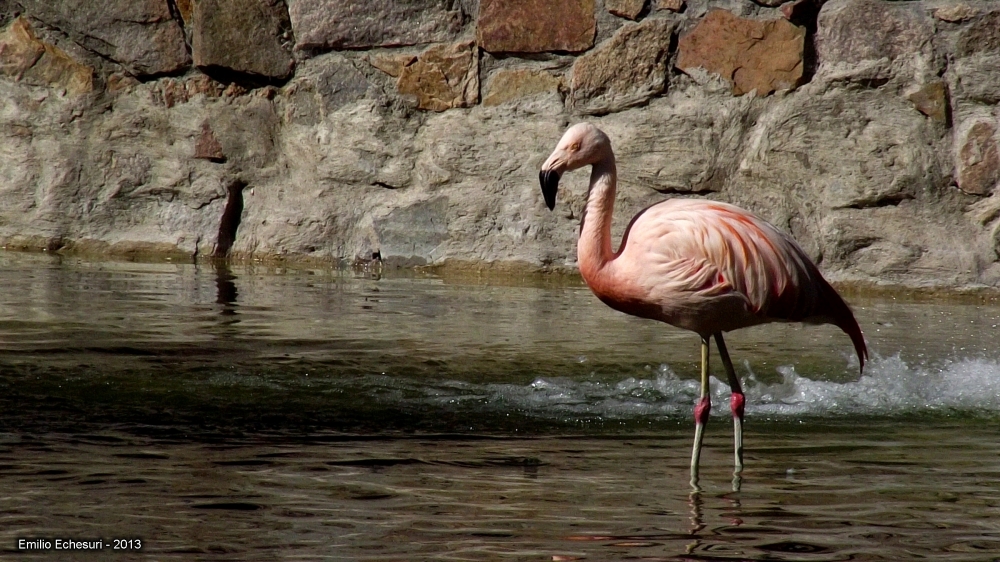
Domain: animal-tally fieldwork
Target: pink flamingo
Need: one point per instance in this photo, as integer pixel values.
(700, 265)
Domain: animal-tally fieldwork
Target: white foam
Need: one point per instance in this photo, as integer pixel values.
(888, 387)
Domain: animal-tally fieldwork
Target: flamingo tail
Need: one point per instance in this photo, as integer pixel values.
(832, 306)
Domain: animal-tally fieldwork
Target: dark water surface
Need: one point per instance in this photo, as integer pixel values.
(251, 413)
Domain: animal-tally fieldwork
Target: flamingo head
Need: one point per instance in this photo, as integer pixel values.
(580, 145)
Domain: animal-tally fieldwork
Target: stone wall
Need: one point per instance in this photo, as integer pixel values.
(330, 129)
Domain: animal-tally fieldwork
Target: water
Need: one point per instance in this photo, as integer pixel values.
(254, 413)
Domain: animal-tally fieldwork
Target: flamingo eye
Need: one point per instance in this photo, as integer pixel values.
(574, 147)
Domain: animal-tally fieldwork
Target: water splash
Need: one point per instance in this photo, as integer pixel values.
(889, 387)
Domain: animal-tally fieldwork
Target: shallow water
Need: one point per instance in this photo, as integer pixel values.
(253, 413)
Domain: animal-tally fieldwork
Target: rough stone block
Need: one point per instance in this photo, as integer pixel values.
(674, 146)
(413, 232)
(207, 147)
(625, 71)
(120, 83)
(335, 24)
(974, 72)
(977, 162)
(169, 92)
(982, 35)
(670, 5)
(245, 36)
(140, 35)
(19, 48)
(339, 82)
(955, 13)
(507, 85)
(186, 10)
(528, 26)
(391, 64)
(442, 77)
(932, 101)
(976, 78)
(751, 55)
(625, 8)
(857, 148)
(24, 57)
(852, 31)
(247, 130)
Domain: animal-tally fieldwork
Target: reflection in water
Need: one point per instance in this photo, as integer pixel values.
(735, 513)
(369, 267)
(226, 287)
(697, 520)
(730, 511)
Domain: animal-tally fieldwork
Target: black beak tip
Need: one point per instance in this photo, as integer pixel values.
(549, 179)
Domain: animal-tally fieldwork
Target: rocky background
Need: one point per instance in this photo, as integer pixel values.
(332, 129)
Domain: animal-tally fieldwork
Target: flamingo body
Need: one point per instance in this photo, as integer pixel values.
(709, 267)
(704, 266)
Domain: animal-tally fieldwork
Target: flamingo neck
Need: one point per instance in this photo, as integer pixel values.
(594, 247)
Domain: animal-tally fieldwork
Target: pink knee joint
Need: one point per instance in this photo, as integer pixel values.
(701, 410)
(736, 403)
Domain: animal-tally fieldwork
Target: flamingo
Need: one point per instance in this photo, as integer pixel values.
(700, 265)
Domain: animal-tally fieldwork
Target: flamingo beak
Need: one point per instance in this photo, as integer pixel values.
(550, 186)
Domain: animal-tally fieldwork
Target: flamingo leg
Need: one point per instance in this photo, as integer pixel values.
(701, 411)
(736, 402)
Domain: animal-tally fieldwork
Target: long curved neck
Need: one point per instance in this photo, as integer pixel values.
(594, 247)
